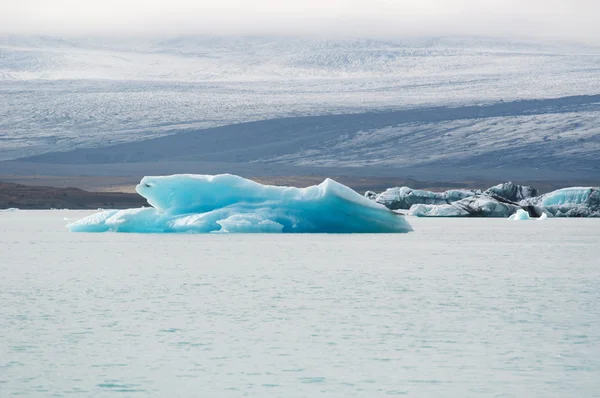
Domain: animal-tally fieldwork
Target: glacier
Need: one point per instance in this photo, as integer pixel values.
(228, 203)
(64, 93)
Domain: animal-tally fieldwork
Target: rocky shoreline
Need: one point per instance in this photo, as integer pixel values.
(40, 197)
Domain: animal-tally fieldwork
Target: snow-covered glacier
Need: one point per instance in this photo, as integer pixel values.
(60, 94)
(228, 204)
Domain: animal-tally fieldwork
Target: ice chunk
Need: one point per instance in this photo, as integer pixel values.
(405, 197)
(94, 223)
(573, 196)
(511, 191)
(501, 200)
(437, 211)
(520, 215)
(371, 195)
(569, 202)
(228, 203)
(475, 206)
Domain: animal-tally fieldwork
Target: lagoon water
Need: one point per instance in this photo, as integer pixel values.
(458, 308)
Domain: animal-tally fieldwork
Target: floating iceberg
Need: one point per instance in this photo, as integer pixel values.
(403, 198)
(522, 215)
(227, 203)
(502, 200)
(512, 192)
(474, 206)
(569, 202)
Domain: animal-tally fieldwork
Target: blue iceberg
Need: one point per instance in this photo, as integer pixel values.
(569, 202)
(228, 204)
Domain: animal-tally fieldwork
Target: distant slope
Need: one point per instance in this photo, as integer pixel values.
(552, 134)
(60, 94)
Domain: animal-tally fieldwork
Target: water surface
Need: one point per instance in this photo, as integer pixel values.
(465, 307)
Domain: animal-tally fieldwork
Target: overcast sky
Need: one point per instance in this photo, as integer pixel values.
(567, 19)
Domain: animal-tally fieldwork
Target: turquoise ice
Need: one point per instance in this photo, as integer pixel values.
(227, 203)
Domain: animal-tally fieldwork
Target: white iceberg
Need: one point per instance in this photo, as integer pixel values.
(502, 201)
(402, 198)
(227, 203)
(474, 206)
(522, 215)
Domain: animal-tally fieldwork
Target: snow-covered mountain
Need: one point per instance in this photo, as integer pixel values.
(58, 94)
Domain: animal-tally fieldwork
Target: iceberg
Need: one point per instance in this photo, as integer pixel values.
(231, 204)
(474, 206)
(402, 198)
(569, 202)
(512, 192)
(502, 200)
(522, 215)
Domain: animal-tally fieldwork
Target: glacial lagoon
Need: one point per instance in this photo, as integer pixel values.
(459, 307)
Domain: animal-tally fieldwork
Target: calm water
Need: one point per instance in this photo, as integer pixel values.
(459, 308)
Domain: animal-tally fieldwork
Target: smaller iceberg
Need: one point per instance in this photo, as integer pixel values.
(522, 215)
(403, 198)
(475, 206)
(569, 202)
(502, 200)
(227, 203)
(512, 192)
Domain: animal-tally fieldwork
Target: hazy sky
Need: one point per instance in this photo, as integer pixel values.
(568, 19)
